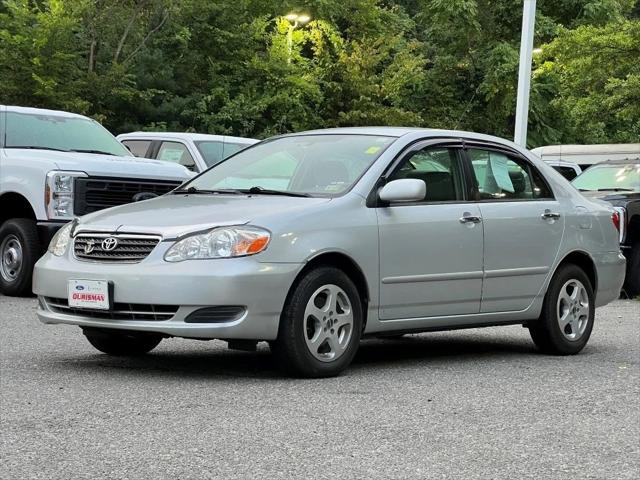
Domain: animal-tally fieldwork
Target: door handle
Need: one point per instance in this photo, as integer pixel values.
(549, 215)
(468, 218)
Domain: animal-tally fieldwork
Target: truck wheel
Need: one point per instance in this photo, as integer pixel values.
(122, 343)
(568, 312)
(320, 325)
(19, 251)
(632, 279)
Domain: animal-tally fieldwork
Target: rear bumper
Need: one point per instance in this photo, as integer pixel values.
(261, 288)
(611, 272)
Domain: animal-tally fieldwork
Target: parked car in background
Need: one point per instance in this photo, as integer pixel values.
(618, 182)
(55, 166)
(568, 170)
(587, 155)
(309, 241)
(195, 151)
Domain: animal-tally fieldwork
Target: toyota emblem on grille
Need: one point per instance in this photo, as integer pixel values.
(109, 244)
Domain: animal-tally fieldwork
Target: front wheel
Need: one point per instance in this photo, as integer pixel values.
(568, 313)
(19, 251)
(122, 343)
(321, 324)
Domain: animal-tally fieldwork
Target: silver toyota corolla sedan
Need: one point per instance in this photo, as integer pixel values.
(314, 240)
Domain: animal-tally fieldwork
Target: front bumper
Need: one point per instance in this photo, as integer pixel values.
(260, 287)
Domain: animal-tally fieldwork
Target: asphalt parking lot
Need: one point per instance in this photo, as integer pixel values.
(468, 404)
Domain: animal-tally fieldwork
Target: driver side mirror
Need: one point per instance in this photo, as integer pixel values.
(403, 190)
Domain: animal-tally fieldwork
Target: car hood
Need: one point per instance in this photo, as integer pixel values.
(174, 215)
(104, 165)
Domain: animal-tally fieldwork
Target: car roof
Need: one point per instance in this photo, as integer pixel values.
(202, 137)
(402, 131)
(40, 111)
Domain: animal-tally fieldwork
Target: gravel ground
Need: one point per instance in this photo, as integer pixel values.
(468, 404)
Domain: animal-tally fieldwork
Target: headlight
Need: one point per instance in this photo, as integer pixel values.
(60, 240)
(223, 242)
(58, 196)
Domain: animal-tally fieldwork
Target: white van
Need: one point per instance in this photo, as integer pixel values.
(586, 155)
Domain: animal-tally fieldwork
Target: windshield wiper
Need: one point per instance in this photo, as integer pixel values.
(615, 189)
(32, 147)
(99, 152)
(265, 191)
(192, 190)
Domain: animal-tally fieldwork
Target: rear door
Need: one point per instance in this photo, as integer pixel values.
(523, 227)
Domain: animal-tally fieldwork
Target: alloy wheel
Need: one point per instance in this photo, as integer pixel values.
(573, 310)
(328, 323)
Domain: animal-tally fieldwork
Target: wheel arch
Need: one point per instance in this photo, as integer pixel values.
(343, 262)
(15, 205)
(583, 260)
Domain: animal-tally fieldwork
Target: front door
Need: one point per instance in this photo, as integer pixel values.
(523, 228)
(431, 251)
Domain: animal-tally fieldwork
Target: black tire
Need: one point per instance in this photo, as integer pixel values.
(632, 279)
(290, 348)
(122, 343)
(546, 332)
(16, 281)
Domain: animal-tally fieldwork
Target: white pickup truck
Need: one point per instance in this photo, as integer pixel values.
(55, 166)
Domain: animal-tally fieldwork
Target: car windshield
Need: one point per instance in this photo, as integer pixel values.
(57, 132)
(610, 177)
(319, 165)
(214, 152)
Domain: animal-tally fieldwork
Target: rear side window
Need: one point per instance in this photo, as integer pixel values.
(211, 151)
(138, 147)
(567, 172)
(502, 177)
(177, 153)
(231, 148)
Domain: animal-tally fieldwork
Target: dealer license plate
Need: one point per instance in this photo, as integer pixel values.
(89, 294)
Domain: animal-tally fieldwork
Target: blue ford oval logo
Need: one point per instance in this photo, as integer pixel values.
(79, 287)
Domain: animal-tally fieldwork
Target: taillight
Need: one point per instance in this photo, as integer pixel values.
(619, 221)
(615, 218)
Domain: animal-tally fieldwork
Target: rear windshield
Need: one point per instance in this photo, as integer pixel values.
(56, 132)
(609, 177)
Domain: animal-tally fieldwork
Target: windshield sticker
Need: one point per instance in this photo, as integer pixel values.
(372, 150)
(334, 187)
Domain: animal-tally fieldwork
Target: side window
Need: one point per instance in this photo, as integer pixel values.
(231, 148)
(567, 172)
(177, 153)
(501, 177)
(439, 168)
(138, 147)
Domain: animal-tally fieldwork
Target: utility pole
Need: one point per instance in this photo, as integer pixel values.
(524, 74)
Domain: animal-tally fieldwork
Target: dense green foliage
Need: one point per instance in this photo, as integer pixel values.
(222, 66)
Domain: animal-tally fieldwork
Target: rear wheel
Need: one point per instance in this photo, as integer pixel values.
(122, 343)
(632, 279)
(568, 313)
(19, 251)
(320, 326)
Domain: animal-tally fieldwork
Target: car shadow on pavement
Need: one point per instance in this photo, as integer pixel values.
(407, 352)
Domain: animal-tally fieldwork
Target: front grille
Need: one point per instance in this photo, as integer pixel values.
(128, 249)
(121, 311)
(95, 193)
